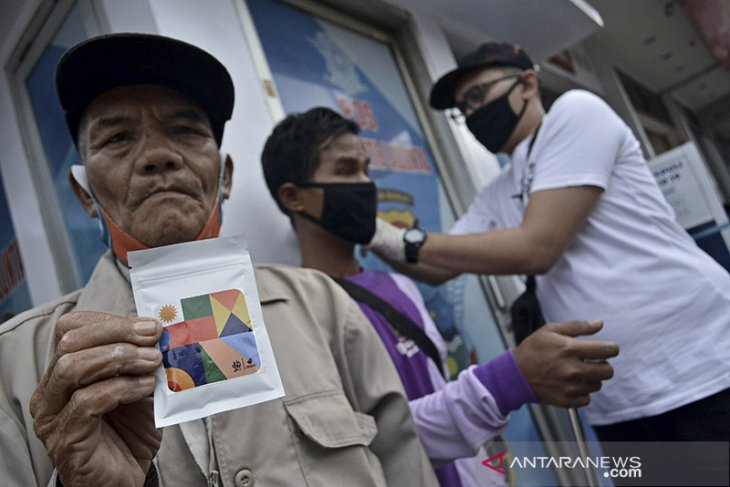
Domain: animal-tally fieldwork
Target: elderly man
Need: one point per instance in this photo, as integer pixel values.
(147, 115)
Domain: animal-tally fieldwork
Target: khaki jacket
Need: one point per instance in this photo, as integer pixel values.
(344, 421)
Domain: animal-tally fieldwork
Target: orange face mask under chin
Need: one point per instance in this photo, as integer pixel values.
(122, 242)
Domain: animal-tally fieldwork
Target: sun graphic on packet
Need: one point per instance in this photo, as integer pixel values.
(167, 313)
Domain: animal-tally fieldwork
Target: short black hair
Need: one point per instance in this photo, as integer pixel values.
(291, 153)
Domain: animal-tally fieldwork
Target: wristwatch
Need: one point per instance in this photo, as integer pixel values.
(414, 238)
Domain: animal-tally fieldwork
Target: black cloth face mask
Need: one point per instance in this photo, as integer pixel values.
(349, 210)
(493, 123)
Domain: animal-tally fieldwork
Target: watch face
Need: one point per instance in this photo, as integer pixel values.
(413, 235)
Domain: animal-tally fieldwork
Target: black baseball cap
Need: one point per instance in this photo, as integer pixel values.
(102, 63)
(489, 54)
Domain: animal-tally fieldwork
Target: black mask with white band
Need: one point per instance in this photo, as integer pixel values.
(349, 210)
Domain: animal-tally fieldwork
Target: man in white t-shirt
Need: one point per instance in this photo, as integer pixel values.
(578, 207)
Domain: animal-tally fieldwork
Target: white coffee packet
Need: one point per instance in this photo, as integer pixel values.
(216, 352)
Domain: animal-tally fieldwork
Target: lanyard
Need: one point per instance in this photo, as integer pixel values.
(521, 195)
(532, 142)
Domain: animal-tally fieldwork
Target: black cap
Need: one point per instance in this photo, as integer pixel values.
(489, 54)
(102, 63)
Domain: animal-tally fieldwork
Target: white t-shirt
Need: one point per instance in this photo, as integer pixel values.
(662, 299)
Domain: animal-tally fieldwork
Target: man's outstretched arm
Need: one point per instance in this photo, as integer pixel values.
(552, 220)
(551, 366)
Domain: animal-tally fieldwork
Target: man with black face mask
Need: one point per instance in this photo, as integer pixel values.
(317, 171)
(579, 208)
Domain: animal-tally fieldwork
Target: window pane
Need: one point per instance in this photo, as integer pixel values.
(57, 144)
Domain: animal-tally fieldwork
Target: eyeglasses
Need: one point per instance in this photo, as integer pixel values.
(474, 98)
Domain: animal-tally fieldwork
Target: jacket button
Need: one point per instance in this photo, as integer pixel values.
(244, 478)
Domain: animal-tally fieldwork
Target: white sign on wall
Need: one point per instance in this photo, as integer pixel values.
(689, 189)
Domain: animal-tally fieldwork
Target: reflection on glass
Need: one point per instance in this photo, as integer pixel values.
(57, 144)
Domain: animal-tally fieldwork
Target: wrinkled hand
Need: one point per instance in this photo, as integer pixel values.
(387, 241)
(561, 369)
(92, 409)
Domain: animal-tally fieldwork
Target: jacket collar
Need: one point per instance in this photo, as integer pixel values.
(107, 290)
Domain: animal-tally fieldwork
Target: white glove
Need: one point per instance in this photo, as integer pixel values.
(388, 241)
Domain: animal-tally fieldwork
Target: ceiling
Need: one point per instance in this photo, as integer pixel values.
(656, 43)
(527, 22)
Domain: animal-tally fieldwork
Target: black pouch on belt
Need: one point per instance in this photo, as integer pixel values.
(526, 312)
